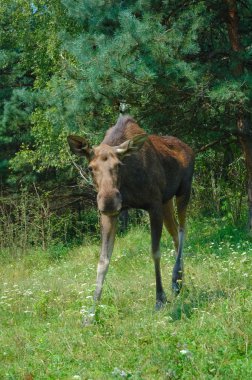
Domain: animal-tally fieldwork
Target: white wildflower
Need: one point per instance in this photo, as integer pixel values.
(119, 372)
(186, 352)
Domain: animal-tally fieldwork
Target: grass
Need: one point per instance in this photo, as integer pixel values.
(205, 333)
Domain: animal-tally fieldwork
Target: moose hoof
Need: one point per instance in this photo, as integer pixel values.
(87, 321)
(89, 318)
(159, 305)
(161, 301)
(176, 287)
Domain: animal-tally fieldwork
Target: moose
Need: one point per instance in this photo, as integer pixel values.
(133, 170)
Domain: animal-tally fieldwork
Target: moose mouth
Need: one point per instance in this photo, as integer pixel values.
(110, 213)
(110, 205)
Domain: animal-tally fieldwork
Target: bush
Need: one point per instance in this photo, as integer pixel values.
(26, 221)
(219, 185)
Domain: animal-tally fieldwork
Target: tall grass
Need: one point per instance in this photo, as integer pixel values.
(205, 333)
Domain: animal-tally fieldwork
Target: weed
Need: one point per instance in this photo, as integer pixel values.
(204, 333)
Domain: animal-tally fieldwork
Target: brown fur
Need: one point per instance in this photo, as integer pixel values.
(161, 169)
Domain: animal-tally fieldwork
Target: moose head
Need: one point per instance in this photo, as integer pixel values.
(104, 164)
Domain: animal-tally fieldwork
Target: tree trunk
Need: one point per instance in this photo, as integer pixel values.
(244, 124)
(245, 127)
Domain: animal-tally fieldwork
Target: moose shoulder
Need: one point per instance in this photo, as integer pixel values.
(131, 169)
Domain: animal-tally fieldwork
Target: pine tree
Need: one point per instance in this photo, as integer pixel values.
(29, 48)
(244, 124)
(172, 62)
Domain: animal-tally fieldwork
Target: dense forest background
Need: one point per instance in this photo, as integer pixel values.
(182, 68)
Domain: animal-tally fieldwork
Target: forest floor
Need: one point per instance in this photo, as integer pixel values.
(204, 333)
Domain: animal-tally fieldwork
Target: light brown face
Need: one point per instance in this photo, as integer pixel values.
(104, 162)
(105, 171)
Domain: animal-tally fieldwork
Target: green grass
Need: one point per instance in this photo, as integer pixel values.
(205, 333)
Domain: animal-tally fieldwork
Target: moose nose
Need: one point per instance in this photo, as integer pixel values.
(109, 203)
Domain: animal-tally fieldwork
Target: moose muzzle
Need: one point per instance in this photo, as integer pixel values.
(109, 202)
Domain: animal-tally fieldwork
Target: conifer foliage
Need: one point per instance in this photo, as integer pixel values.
(66, 65)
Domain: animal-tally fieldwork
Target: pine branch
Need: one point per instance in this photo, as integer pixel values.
(16, 85)
(178, 8)
(222, 141)
(131, 77)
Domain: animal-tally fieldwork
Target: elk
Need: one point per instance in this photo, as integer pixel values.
(133, 170)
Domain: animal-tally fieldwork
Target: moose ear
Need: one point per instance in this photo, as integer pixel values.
(80, 146)
(131, 145)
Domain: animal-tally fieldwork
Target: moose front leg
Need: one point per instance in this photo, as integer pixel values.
(108, 228)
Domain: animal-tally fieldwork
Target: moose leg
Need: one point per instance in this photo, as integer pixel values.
(177, 275)
(171, 223)
(108, 226)
(156, 221)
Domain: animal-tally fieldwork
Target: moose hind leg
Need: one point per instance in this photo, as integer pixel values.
(156, 221)
(178, 270)
(171, 223)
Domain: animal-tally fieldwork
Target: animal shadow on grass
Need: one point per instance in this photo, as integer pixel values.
(188, 302)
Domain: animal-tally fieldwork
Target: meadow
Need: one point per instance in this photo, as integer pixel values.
(204, 333)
